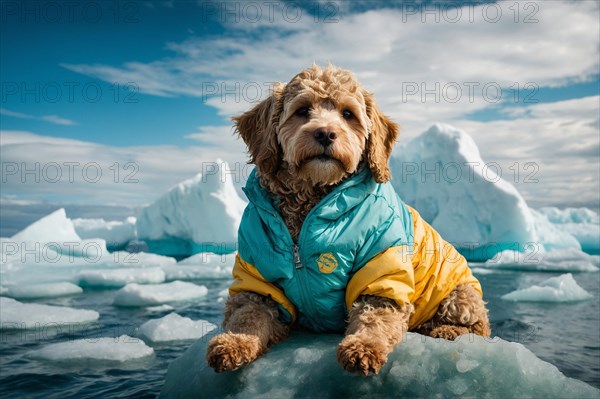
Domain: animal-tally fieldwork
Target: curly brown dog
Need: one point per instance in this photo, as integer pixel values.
(325, 242)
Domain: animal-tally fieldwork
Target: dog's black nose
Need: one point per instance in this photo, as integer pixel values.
(325, 136)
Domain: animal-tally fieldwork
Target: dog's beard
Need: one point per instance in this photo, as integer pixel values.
(322, 169)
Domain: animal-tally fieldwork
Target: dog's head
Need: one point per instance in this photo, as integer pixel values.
(319, 126)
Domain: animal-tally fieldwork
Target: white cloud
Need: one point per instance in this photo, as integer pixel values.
(385, 48)
(555, 147)
(391, 52)
(7, 112)
(55, 169)
(55, 119)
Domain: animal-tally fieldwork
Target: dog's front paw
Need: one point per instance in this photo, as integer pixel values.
(448, 332)
(229, 351)
(362, 355)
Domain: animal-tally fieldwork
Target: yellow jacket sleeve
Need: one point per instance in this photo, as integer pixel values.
(389, 274)
(248, 278)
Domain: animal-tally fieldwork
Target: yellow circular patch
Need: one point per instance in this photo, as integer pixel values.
(327, 263)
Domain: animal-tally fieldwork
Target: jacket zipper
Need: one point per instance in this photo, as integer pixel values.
(301, 274)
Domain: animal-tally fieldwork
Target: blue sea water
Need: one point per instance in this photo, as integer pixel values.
(566, 335)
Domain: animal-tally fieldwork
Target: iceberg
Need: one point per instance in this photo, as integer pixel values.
(95, 351)
(17, 315)
(174, 327)
(581, 223)
(442, 175)
(570, 215)
(305, 366)
(200, 214)
(563, 288)
(571, 260)
(53, 239)
(117, 234)
(151, 295)
(117, 278)
(55, 227)
(35, 291)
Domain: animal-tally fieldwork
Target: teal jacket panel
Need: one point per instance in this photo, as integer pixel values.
(346, 229)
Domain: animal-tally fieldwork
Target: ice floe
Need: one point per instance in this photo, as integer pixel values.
(151, 295)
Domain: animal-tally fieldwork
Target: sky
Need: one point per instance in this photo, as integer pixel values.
(113, 102)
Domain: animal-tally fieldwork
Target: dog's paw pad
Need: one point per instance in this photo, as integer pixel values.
(227, 352)
(361, 355)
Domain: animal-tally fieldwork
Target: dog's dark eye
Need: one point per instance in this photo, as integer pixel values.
(303, 111)
(347, 114)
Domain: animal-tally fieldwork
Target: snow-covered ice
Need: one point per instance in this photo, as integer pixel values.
(201, 266)
(581, 223)
(150, 295)
(305, 366)
(563, 260)
(116, 278)
(442, 175)
(570, 215)
(174, 327)
(54, 227)
(51, 239)
(95, 350)
(17, 315)
(563, 288)
(196, 215)
(47, 290)
(115, 233)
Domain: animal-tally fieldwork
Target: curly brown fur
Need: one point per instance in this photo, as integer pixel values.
(375, 326)
(291, 163)
(461, 312)
(251, 325)
(305, 138)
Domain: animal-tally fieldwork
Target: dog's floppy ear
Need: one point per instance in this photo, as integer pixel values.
(381, 140)
(257, 128)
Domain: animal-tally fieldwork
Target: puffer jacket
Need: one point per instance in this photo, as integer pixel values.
(361, 239)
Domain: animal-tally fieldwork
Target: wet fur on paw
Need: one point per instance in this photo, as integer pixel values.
(229, 351)
(361, 355)
(375, 326)
(461, 312)
(251, 326)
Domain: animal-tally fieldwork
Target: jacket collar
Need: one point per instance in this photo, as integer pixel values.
(340, 200)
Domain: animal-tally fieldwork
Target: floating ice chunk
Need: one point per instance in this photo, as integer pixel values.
(149, 295)
(95, 350)
(49, 290)
(210, 260)
(201, 266)
(115, 233)
(174, 327)
(17, 315)
(194, 214)
(55, 227)
(142, 259)
(560, 260)
(121, 277)
(472, 367)
(563, 288)
(159, 308)
(480, 270)
(52, 239)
